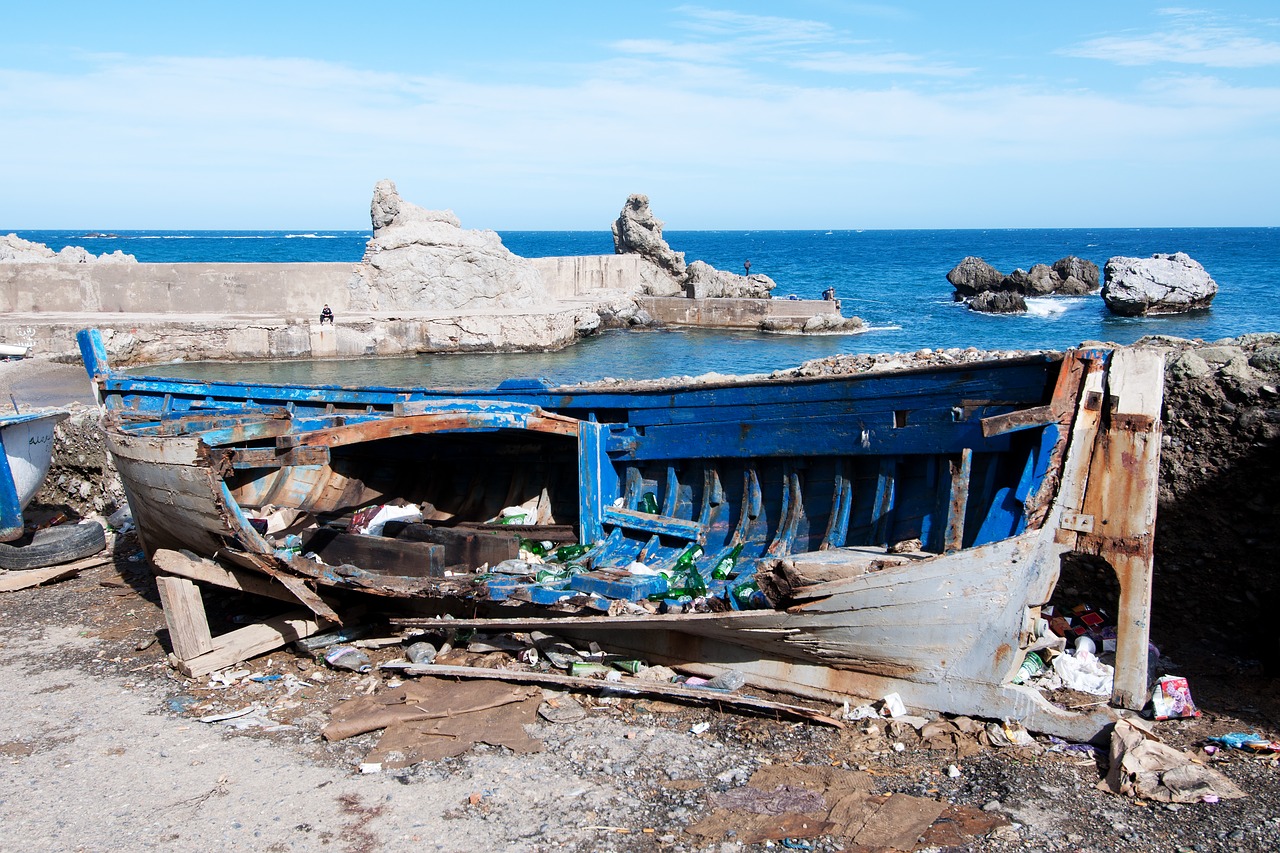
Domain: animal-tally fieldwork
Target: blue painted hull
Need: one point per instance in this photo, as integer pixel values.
(893, 531)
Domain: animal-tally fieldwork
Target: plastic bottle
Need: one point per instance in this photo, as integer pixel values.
(348, 657)
(729, 680)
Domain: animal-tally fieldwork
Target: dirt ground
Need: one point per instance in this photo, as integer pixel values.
(103, 746)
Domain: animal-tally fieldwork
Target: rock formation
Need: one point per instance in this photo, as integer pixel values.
(974, 277)
(998, 302)
(15, 250)
(1161, 284)
(1077, 276)
(818, 324)
(703, 281)
(423, 260)
(637, 231)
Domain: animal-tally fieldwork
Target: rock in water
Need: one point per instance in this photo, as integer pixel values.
(704, 281)
(973, 276)
(1077, 276)
(1161, 284)
(998, 302)
(1041, 280)
(423, 260)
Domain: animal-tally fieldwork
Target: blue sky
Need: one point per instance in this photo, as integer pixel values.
(545, 115)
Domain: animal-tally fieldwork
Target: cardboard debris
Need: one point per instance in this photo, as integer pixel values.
(803, 801)
(1143, 766)
(435, 718)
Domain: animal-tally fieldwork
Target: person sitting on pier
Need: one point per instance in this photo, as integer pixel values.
(829, 294)
(326, 314)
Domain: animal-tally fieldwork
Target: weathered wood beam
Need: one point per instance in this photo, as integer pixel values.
(1019, 420)
(184, 615)
(251, 641)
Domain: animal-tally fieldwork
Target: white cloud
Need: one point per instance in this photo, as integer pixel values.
(261, 142)
(834, 62)
(1194, 37)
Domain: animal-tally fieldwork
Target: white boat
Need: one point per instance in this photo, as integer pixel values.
(26, 451)
(14, 351)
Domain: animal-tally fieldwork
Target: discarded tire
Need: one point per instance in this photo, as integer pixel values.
(55, 545)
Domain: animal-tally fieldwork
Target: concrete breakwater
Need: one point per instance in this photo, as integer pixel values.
(197, 311)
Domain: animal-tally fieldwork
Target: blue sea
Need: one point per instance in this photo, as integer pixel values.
(894, 280)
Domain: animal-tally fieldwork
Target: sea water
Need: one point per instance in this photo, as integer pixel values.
(894, 280)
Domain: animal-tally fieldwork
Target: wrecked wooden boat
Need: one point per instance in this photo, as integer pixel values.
(837, 536)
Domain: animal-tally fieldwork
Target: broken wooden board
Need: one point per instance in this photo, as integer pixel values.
(13, 581)
(279, 586)
(634, 687)
(197, 652)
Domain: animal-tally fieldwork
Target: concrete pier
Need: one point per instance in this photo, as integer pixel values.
(166, 312)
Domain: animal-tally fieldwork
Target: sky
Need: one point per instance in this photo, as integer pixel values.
(728, 115)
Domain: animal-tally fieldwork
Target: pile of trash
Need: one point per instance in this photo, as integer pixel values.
(1071, 651)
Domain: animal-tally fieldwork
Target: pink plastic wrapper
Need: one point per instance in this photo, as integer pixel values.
(1171, 699)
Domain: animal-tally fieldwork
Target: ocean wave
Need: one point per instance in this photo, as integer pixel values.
(1052, 306)
(312, 236)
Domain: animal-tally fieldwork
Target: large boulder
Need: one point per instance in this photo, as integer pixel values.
(423, 260)
(1160, 284)
(998, 302)
(1076, 276)
(638, 231)
(15, 250)
(973, 276)
(1041, 280)
(703, 281)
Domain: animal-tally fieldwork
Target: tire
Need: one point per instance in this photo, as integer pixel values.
(55, 545)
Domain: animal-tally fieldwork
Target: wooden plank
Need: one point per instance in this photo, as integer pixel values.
(1019, 420)
(377, 554)
(1121, 497)
(251, 641)
(631, 519)
(270, 457)
(207, 571)
(391, 427)
(632, 687)
(656, 622)
(959, 502)
(26, 578)
(296, 586)
(184, 614)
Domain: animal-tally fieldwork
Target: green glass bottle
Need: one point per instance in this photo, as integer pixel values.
(724, 568)
(649, 503)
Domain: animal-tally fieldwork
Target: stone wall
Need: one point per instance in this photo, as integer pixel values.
(159, 339)
(582, 275)
(731, 313)
(272, 289)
